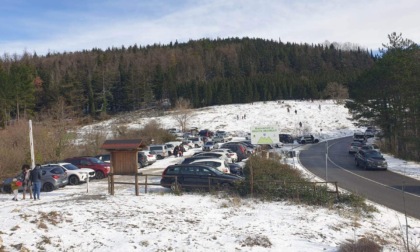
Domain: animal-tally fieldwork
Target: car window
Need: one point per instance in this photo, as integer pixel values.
(204, 171)
(57, 170)
(187, 170)
(71, 167)
(172, 171)
(374, 154)
(84, 162)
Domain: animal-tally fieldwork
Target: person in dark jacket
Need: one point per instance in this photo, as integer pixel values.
(176, 151)
(35, 178)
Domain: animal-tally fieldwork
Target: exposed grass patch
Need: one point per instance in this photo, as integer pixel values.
(256, 240)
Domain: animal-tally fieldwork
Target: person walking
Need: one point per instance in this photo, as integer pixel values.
(35, 178)
(15, 188)
(27, 185)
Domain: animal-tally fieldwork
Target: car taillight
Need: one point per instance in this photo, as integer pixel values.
(150, 155)
(55, 176)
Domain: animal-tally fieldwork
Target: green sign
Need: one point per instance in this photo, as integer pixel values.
(264, 135)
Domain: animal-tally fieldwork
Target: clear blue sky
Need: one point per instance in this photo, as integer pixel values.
(43, 26)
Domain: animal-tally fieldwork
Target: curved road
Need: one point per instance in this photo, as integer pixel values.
(383, 187)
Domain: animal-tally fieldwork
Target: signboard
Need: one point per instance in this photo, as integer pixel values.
(264, 135)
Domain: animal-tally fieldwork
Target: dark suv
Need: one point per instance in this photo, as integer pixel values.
(370, 159)
(102, 169)
(196, 176)
(286, 138)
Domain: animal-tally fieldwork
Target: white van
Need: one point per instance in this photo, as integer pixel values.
(160, 149)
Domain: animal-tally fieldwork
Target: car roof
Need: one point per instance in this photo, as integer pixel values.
(208, 159)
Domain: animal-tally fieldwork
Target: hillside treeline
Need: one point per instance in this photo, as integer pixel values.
(388, 96)
(205, 72)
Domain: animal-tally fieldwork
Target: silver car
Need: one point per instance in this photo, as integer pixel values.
(52, 177)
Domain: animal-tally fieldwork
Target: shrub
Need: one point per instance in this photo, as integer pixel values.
(361, 245)
(272, 180)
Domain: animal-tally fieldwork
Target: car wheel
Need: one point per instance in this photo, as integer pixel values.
(48, 187)
(159, 157)
(99, 175)
(176, 187)
(303, 142)
(170, 153)
(74, 180)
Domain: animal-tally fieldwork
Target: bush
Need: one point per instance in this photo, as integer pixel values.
(361, 245)
(272, 180)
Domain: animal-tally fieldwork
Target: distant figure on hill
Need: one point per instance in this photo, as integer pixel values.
(295, 112)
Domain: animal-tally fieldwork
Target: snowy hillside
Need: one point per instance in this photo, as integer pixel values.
(72, 219)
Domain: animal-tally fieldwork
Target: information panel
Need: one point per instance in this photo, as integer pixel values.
(264, 135)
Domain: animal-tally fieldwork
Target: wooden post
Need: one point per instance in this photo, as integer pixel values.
(136, 178)
(112, 185)
(145, 184)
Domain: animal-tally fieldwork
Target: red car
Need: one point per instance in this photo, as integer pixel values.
(101, 168)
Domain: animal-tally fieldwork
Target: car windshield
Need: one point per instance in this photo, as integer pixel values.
(209, 143)
(96, 161)
(373, 154)
(71, 167)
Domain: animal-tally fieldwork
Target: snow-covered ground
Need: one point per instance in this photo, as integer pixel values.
(72, 219)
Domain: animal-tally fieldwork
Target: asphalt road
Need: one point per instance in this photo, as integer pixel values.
(387, 188)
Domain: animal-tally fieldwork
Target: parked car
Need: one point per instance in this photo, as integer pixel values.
(197, 141)
(208, 146)
(150, 156)
(142, 159)
(206, 133)
(178, 177)
(219, 155)
(228, 153)
(170, 148)
(104, 157)
(236, 169)
(52, 178)
(354, 147)
(359, 137)
(370, 147)
(192, 159)
(305, 139)
(286, 138)
(75, 174)
(238, 148)
(370, 159)
(219, 164)
(160, 149)
(102, 169)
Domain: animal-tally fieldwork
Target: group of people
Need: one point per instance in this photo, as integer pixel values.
(179, 150)
(31, 182)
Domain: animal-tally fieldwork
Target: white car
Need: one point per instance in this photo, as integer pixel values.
(231, 154)
(75, 174)
(150, 155)
(219, 164)
(212, 154)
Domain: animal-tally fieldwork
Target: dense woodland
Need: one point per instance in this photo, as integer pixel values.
(205, 72)
(384, 89)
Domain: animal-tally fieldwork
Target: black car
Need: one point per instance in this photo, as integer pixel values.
(191, 176)
(286, 138)
(236, 169)
(370, 159)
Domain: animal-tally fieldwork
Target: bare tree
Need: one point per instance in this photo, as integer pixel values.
(336, 91)
(182, 113)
